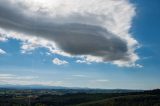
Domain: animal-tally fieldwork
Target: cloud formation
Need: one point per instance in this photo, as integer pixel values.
(26, 80)
(80, 75)
(2, 52)
(95, 31)
(101, 80)
(59, 62)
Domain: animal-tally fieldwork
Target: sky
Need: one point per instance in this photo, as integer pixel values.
(77, 43)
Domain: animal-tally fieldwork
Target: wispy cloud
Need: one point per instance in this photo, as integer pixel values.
(2, 38)
(79, 75)
(2, 52)
(26, 80)
(102, 80)
(59, 62)
(83, 61)
(15, 77)
(6, 75)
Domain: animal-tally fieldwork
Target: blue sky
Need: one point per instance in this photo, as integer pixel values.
(24, 62)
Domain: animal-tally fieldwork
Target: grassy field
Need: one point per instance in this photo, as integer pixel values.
(129, 100)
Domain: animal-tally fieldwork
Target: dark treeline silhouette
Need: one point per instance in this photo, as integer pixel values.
(145, 98)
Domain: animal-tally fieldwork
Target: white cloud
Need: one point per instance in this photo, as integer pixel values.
(59, 62)
(48, 54)
(2, 38)
(98, 82)
(15, 77)
(6, 75)
(61, 26)
(83, 61)
(101, 80)
(26, 80)
(139, 66)
(79, 75)
(2, 52)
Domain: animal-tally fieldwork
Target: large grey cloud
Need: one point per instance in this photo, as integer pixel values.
(75, 38)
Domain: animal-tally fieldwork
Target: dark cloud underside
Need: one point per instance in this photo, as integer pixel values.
(74, 38)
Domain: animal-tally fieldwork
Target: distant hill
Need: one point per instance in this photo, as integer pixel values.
(69, 89)
(8, 86)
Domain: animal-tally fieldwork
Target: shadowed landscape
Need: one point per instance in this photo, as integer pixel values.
(78, 97)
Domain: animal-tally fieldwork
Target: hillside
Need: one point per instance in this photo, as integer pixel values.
(45, 97)
(149, 98)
